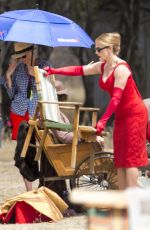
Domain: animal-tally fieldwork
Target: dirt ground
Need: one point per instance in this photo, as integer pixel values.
(11, 184)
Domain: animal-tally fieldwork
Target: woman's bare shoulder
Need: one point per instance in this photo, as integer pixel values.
(122, 69)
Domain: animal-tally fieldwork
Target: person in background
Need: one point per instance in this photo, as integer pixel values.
(126, 103)
(147, 104)
(59, 137)
(20, 85)
(1, 126)
(1, 119)
(63, 137)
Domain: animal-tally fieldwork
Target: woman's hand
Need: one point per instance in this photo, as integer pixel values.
(48, 71)
(12, 67)
(99, 127)
(31, 70)
(100, 140)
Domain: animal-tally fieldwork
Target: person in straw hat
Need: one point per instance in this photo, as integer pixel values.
(20, 85)
(1, 119)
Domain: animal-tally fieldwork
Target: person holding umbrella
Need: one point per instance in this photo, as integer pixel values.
(1, 121)
(20, 85)
(126, 102)
(1, 125)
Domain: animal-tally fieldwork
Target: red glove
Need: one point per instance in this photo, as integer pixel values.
(116, 97)
(69, 70)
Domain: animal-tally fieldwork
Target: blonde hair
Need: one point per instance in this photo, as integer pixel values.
(113, 39)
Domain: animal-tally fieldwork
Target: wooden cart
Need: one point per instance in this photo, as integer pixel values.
(85, 164)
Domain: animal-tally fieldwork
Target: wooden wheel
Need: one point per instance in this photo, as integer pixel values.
(104, 176)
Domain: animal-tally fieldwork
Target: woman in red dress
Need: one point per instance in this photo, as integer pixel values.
(126, 102)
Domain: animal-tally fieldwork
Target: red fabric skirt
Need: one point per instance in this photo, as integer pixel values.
(16, 120)
(130, 142)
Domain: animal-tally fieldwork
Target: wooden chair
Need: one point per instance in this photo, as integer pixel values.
(63, 157)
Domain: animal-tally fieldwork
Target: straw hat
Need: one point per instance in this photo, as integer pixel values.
(60, 88)
(20, 49)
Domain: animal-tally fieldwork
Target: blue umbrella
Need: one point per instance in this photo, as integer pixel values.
(43, 28)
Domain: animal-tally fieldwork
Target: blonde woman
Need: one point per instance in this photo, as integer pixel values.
(126, 102)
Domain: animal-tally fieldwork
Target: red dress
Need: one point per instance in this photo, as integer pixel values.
(129, 125)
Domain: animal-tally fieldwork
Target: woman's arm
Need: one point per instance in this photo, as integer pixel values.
(10, 76)
(121, 75)
(89, 69)
(92, 69)
(9, 73)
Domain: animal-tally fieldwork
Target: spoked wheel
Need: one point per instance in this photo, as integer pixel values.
(104, 175)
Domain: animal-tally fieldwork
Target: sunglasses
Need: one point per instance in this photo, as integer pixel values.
(98, 49)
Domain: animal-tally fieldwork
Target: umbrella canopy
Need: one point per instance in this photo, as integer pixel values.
(43, 28)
